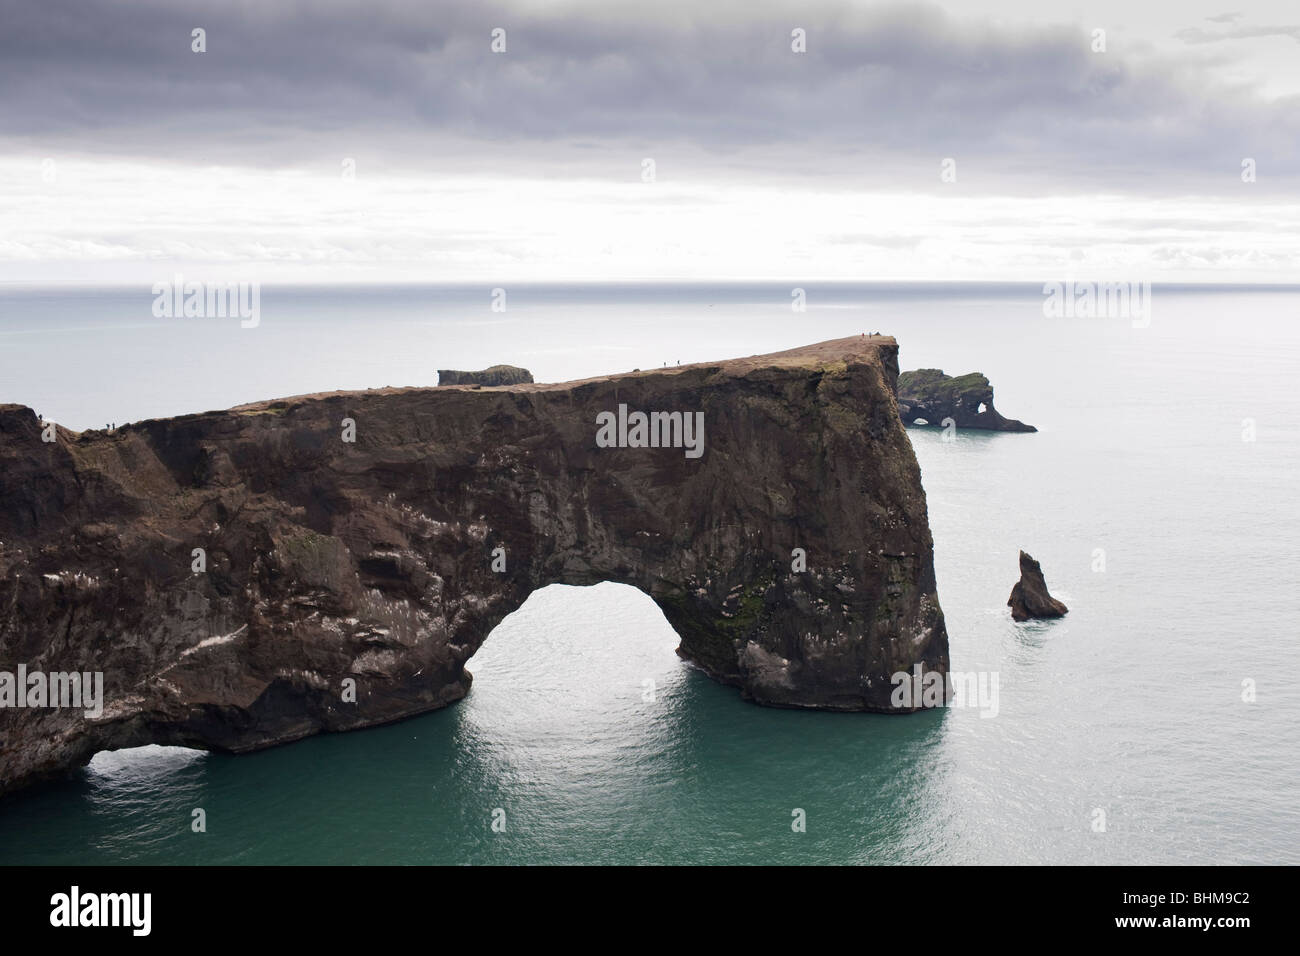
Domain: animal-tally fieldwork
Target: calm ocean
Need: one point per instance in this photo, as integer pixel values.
(1160, 495)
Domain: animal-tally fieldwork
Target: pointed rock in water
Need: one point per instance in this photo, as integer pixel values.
(1029, 598)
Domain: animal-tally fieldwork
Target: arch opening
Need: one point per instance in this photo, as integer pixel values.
(601, 644)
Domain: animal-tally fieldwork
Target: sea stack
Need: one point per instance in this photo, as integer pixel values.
(932, 397)
(1029, 598)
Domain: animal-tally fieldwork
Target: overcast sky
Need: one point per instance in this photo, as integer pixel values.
(125, 155)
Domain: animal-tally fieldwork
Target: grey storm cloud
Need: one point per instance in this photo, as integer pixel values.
(283, 81)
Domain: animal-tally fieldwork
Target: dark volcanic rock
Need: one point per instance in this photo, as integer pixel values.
(371, 562)
(496, 375)
(967, 399)
(1029, 598)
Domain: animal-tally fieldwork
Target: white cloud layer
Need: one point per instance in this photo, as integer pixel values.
(123, 154)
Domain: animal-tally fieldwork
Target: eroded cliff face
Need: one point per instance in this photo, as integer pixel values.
(327, 561)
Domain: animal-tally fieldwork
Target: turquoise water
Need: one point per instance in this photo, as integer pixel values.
(1131, 704)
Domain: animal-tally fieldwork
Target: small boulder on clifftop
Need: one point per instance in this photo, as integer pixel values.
(496, 375)
(1029, 598)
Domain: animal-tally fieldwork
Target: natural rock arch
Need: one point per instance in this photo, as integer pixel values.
(327, 560)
